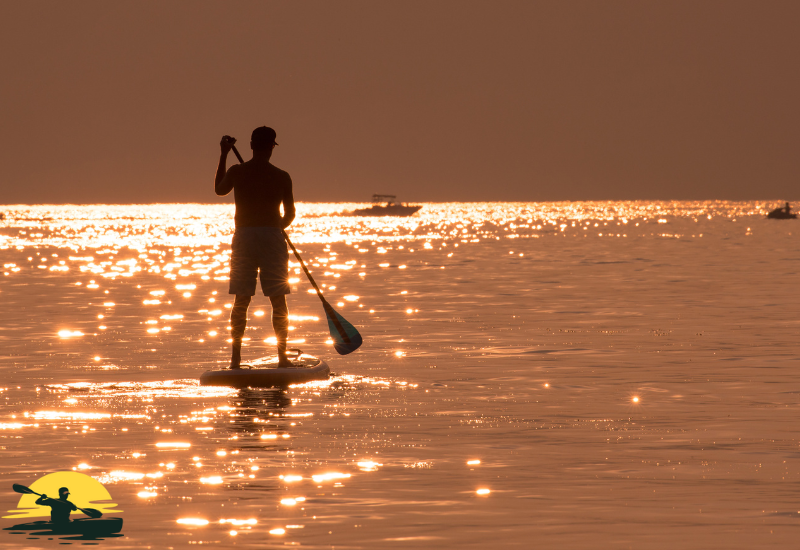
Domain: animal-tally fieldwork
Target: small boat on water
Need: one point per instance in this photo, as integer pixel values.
(387, 205)
(89, 527)
(782, 213)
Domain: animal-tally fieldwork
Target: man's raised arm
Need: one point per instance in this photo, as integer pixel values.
(222, 187)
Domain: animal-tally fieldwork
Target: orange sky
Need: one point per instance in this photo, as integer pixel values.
(431, 100)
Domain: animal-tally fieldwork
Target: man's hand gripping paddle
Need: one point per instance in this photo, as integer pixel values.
(346, 338)
(91, 512)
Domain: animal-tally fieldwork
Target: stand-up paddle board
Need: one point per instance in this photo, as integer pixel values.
(264, 373)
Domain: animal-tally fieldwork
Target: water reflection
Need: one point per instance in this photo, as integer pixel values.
(161, 268)
(132, 308)
(255, 411)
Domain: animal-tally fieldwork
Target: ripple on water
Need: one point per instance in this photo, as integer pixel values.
(588, 355)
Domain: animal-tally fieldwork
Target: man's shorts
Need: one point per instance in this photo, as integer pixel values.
(261, 249)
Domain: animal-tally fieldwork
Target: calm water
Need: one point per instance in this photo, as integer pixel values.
(626, 374)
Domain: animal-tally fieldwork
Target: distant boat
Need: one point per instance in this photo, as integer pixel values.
(782, 213)
(390, 208)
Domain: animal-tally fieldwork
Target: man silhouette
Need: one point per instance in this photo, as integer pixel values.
(259, 190)
(60, 508)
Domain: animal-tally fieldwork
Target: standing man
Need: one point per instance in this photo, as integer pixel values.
(259, 190)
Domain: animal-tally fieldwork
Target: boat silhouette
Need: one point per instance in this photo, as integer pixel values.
(87, 527)
(782, 213)
(386, 205)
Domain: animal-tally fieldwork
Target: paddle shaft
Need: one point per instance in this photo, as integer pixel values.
(91, 512)
(328, 308)
(325, 305)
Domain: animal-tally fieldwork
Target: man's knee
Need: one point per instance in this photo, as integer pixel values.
(278, 303)
(239, 312)
(242, 300)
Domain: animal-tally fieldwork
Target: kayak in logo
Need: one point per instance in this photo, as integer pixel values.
(57, 496)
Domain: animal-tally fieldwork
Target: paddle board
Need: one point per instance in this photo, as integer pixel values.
(264, 373)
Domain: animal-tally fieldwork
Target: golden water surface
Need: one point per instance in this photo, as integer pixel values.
(572, 375)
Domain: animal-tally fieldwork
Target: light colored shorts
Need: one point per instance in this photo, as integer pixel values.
(259, 252)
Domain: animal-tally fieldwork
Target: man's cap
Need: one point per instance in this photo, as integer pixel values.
(63, 490)
(264, 136)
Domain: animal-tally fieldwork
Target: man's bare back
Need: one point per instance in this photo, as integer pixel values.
(259, 189)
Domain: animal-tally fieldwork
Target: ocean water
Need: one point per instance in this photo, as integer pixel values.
(571, 375)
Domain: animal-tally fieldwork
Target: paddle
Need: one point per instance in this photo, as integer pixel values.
(346, 338)
(91, 512)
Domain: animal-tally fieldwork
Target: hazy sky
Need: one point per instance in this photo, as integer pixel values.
(115, 101)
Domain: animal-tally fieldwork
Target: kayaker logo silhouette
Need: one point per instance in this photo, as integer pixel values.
(78, 494)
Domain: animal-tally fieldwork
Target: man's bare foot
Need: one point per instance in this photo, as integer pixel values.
(236, 357)
(283, 361)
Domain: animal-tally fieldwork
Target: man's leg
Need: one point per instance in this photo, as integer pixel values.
(238, 323)
(280, 323)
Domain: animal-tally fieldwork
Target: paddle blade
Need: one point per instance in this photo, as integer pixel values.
(22, 489)
(346, 338)
(91, 512)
